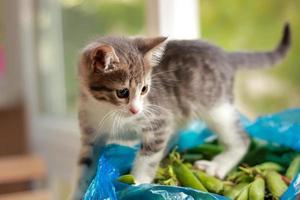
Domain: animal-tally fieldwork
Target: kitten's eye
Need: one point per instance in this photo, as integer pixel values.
(124, 93)
(144, 90)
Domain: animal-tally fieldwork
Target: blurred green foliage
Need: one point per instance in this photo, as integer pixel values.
(231, 24)
(257, 25)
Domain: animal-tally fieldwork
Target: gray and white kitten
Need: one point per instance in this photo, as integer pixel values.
(147, 89)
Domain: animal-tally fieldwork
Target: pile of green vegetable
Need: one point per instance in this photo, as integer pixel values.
(265, 172)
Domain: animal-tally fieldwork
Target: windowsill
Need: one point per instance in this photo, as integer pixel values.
(69, 125)
(58, 141)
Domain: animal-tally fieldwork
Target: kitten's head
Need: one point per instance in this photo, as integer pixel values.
(118, 70)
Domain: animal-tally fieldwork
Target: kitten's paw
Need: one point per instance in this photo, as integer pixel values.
(208, 166)
(211, 168)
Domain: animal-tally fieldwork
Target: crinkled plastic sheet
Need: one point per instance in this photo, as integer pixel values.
(293, 191)
(282, 128)
(162, 192)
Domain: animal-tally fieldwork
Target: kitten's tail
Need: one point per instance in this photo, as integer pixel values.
(252, 60)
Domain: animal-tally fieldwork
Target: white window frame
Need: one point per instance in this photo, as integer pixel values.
(52, 136)
(176, 19)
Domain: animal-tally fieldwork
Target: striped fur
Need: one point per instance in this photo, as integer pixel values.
(147, 89)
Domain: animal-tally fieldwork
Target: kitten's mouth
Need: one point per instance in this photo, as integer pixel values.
(130, 116)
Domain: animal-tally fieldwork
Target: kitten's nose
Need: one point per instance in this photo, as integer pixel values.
(134, 110)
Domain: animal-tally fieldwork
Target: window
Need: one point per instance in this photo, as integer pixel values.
(2, 59)
(52, 33)
(9, 88)
(57, 29)
(2, 63)
(63, 28)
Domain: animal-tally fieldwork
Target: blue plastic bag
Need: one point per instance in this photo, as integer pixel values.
(282, 128)
(162, 192)
(293, 190)
(105, 186)
(106, 173)
(114, 160)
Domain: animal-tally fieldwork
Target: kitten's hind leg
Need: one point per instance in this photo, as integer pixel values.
(224, 121)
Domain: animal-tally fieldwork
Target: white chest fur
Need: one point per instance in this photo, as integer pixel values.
(104, 118)
(98, 115)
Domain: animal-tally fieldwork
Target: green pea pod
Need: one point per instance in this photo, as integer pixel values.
(279, 159)
(255, 155)
(275, 184)
(186, 177)
(294, 168)
(189, 165)
(166, 176)
(232, 176)
(210, 149)
(257, 189)
(128, 178)
(169, 181)
(279, 150)
(234, 192)
(160, 173)
(269, 166)
(192, 157)
(227, 188)
(244, 194)
(211, 183)
(244, 179)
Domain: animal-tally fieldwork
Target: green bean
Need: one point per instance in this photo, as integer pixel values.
(244, 194)
(128, 178)
(186, 177)
(211, 183)
(294, 168)
(268, 166)
(192, 157)
(210, 149)
(233, 192)
(257, 189)
(275, 184)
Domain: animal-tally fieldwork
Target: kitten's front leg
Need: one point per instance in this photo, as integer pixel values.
(151, 153)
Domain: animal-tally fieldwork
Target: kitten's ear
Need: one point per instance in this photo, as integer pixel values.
(152, 48)
(102, 58)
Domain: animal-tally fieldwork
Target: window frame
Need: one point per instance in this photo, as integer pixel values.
(47, 133)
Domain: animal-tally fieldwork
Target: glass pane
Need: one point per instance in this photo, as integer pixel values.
(2, 62)
(86, 20)
(63, 28)
(257, 25)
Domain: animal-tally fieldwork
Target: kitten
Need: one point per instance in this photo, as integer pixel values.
(147, 89)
